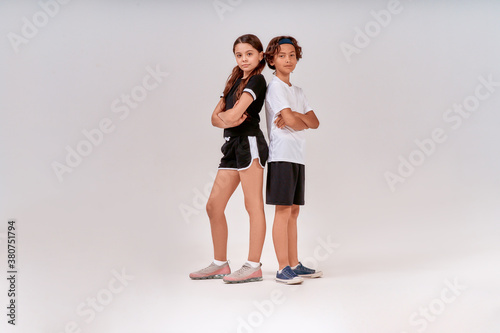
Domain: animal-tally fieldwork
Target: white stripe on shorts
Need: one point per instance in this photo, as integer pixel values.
(254, 151)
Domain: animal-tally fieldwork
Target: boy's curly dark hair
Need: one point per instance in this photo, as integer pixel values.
(273, 49)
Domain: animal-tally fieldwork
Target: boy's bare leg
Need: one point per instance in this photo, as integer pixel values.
(292, 236)
(280, 234)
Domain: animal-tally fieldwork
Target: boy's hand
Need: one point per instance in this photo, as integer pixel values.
(280, 123)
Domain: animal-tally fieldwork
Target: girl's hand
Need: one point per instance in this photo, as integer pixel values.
(244, 116)
(280, 123)
(241, 120)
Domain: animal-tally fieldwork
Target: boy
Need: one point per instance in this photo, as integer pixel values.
(288, 115)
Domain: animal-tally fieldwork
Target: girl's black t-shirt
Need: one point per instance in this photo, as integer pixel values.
(256, 86)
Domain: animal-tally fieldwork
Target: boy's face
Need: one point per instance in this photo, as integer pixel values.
(285, 60)
(247, 57)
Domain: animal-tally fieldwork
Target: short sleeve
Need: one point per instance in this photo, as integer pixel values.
(256, 86)
(306, 105)
(276, 98)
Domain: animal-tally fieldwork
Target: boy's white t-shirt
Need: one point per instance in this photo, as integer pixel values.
(285, 144)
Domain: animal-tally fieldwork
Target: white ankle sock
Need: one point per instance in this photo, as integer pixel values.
(253, 264)
(295, 266)
(219, 263)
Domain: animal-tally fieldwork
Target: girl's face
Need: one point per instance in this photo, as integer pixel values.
(286, 59)
(247, 57)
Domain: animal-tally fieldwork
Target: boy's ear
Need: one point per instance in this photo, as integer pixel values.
(261, 55)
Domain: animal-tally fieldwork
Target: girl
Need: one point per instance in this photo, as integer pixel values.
(245, 154)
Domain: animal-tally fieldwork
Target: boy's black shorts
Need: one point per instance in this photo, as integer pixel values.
(285, 184)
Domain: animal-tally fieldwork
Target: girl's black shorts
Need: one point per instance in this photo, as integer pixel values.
(240, 151)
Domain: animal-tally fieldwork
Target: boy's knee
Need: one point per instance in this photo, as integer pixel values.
(284, 211)
(294, 213)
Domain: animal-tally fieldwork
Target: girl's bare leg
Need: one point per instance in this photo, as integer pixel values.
(225, 184)
(252, 184)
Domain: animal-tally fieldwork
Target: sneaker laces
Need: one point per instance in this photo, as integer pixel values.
(209, 268)
(206, 269)
(305, 269)
(289, 273)
(243, 269)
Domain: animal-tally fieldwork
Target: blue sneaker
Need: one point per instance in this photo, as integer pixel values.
(288, 276)
(303, 271)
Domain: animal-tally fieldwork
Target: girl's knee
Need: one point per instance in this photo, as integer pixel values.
(212, 209)
(254, 207)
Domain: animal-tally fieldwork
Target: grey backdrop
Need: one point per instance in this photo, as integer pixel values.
(384, 77)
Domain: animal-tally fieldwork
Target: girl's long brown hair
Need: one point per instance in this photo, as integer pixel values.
(238, 73)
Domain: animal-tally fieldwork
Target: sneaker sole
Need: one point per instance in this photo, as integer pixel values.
(311, 276)
(247, 280)
(296, 281)
(210, 277)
